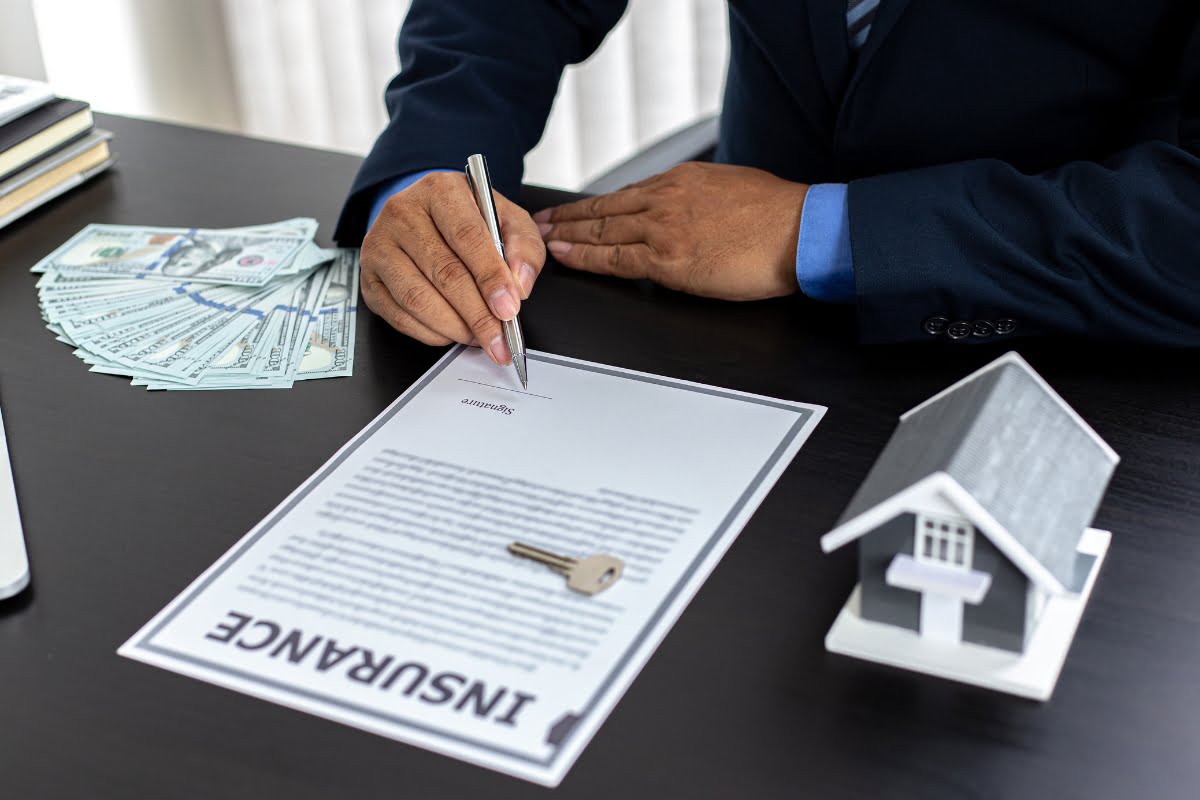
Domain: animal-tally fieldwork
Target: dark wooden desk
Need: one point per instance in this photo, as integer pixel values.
(128, 495)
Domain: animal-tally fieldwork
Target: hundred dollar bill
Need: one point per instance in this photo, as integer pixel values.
(101, 306)
(203, 256)
(302, 227)
(330, 350)
(279, 359)
(308, 258)
(231, 366)
(306, 322)
(156, 343)
(112, 310)
(246, 364)
(191, 332)
(111, 342)
(182, 355)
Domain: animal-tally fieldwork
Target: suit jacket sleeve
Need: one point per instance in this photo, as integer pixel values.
(1107, 249)
(476, 76)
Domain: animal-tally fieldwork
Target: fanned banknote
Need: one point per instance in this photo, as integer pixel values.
(175, 308)
(330, 349)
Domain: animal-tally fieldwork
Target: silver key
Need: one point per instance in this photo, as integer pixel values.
(590, 575)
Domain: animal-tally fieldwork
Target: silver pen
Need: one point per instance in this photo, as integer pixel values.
(481, 186)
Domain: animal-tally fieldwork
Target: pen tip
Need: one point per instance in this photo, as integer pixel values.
(522, 373)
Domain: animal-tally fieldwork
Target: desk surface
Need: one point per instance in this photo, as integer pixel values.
(128, 495)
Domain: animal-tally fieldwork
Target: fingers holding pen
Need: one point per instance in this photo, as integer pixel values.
(523, 245)
(462, 231)
(431, 267)
(391, 280)
(416, 281)
(380, 299)
(463, 283)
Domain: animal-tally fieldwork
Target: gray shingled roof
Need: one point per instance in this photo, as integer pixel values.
(1016, 449)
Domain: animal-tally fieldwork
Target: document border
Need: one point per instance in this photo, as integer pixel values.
(804, 412)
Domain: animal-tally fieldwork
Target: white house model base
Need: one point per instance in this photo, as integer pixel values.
(1030, 674)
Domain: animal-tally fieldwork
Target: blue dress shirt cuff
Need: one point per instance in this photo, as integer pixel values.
(391, 187)
(824, 265)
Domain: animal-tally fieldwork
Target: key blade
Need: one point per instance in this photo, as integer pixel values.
(552, 560)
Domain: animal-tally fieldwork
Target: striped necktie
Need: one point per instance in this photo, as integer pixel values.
(859, 16)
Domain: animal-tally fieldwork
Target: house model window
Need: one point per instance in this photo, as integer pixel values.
(944, 540)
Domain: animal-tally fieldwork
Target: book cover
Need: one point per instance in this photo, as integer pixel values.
(71, 180)
(41, 131)
(18, 181)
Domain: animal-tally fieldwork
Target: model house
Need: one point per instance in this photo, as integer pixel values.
(972, 532)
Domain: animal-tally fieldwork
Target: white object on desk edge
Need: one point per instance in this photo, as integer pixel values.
(14, 563)
(30, 94)
(1032, 674)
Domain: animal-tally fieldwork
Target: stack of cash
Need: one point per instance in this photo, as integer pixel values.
(178, 308)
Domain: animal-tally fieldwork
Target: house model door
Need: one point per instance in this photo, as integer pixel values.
(946, 542)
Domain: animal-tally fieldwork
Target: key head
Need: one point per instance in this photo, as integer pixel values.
(594, 574)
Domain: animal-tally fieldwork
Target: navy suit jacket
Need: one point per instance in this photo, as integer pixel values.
(1025, 160)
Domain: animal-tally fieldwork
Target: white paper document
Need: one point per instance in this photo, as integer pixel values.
(380, 594)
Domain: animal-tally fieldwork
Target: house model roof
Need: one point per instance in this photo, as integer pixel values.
(1010, 454)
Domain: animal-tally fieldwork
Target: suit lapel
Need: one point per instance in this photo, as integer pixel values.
(885, 19)
(831, 46)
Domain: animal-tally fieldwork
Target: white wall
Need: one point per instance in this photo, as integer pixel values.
(313, 71)
(659, 70)
(153, 58)
(20, 54)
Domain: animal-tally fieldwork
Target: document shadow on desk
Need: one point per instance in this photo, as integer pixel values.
(20, 601)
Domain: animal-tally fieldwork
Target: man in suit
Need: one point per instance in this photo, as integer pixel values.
(961, 171)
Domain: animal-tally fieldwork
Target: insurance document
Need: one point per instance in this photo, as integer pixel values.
(381, 594)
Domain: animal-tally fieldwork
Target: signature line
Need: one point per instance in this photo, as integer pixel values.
(505, 388)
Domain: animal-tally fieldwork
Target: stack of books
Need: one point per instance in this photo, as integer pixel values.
(48, 145)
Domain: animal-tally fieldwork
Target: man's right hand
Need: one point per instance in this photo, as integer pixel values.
(430, 269)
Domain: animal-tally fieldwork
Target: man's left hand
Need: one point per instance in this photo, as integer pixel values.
(713, 230)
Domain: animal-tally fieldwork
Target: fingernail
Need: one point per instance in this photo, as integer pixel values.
(503, 304)
(499, 351)
(558, 248)
(526, 275)
(544, 228)
(542, 216)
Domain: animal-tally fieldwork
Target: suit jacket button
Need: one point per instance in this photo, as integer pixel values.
(1005, 325)
(935, 324)
(981, 327)
(960, 329)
